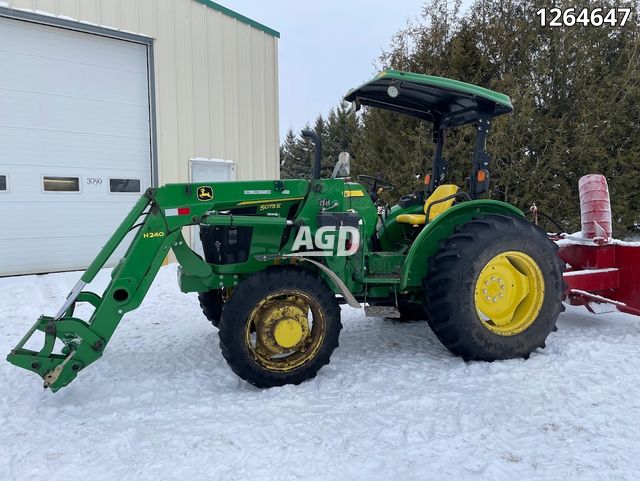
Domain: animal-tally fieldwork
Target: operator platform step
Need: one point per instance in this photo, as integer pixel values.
(382, 311)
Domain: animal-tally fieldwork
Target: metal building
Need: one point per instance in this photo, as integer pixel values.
(99, 99)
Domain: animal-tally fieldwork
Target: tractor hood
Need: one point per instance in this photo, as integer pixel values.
(445, 102)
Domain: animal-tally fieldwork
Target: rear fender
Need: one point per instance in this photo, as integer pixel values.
(427, 243)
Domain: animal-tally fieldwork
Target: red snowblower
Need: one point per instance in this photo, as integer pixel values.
(600, 270)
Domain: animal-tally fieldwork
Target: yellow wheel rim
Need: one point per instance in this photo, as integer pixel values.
(285, 330)
(509, 293)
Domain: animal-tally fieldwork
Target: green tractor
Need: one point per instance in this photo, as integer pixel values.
(280, 257)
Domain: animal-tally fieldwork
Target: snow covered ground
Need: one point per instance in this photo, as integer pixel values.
(393, 404)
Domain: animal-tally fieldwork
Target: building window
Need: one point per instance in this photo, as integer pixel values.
(61, 184)
(124, 185)
(4, 184)
(212, 170)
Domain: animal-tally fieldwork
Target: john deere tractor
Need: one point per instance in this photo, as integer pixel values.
(280, 256)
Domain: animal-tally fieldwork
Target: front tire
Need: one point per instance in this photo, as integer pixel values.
(280, 326)
(211, 303)
(494, 289)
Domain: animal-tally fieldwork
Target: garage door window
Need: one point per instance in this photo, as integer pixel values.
(4, 183)
(124, 185)
(61, 184)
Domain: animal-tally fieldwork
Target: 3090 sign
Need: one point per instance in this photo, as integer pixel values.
(595, 17)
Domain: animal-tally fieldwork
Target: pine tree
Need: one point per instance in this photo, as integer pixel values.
(337, 133)
(576, 96)
(295, 162)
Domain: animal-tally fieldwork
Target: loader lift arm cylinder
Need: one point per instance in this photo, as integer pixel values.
(117, 237)
(106, 252)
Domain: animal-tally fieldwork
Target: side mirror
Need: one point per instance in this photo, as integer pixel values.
(343, 166)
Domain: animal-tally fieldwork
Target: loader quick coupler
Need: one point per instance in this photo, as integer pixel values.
(57, 370)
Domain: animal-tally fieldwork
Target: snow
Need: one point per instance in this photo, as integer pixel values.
(393, 404)
(590, 272)
(577, 238)
(597, 298)
(4, 3)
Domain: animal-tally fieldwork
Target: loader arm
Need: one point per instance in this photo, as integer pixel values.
(157, 219)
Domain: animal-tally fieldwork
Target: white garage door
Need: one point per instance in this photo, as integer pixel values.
(74, 143)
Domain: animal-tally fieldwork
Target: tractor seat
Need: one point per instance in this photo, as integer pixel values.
(442, 191)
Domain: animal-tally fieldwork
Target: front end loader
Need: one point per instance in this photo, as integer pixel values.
(280, 257)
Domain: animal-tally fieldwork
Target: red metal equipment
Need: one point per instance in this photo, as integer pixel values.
(600, 270)
(595, 208)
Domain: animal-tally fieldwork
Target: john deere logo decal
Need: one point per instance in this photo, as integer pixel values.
(205, 193)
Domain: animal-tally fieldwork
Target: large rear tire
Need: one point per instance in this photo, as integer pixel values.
(280, 326)
(494, 289)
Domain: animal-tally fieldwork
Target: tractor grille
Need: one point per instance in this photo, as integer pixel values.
(226, 245)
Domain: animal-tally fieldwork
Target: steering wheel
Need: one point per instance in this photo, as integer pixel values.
(375, 184)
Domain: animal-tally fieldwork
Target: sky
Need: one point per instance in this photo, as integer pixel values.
(325, 48)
